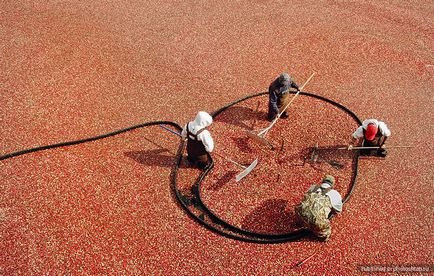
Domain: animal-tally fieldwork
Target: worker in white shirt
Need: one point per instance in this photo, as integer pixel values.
(199, 140)
(374, 134)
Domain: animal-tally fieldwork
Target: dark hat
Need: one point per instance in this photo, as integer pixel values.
(329, 179)
(285, 78)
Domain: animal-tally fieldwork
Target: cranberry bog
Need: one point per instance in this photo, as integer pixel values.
(129, 203)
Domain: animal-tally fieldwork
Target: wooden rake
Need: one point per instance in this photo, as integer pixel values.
(314, 156)
(238, 177)
(385, 147)
(260, 137)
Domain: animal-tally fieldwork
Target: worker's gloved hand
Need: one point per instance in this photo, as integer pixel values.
(350, 147)
(283, 90)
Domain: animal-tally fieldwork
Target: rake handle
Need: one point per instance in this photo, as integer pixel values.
(305, 260)
(377, 147)
(172, 131)
(230, 160)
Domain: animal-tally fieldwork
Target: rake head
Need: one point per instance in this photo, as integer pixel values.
(260, 139)
(314, 158)
(246, 171)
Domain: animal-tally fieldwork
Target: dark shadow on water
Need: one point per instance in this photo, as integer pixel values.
(222, 181)
(297, 159)
(330, 152)
(156, 157)
(317, 157)
(158, 145)
(162, 156)
(273, 216)
(243, 117)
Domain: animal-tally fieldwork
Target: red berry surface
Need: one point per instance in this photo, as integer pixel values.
(76, 69)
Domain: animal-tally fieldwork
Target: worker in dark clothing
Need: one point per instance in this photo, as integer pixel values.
(279, 96)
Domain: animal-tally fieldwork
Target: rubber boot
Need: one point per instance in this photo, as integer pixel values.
(284, 115)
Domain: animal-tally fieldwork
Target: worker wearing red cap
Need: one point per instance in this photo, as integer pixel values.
(374, 133)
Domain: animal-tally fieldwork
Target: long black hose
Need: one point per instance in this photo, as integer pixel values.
(85, 140)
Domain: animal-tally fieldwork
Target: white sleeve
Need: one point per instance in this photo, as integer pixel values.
(335, 200)
(184, 132)
(207, 140)
(358, 133)
(384, 129)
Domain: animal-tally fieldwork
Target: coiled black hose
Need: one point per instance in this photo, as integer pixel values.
(229, 231)
(236, 232)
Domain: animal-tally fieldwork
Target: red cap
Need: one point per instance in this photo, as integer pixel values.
(371, 131)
